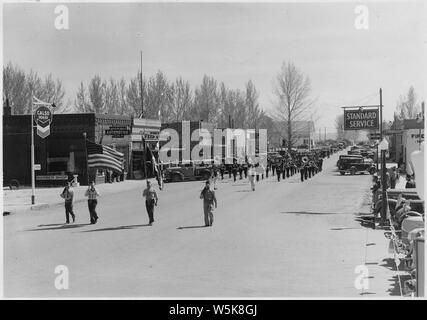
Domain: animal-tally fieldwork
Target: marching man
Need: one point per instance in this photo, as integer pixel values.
(68, 195)
(150, 201)
(91, 194)
(209, 200)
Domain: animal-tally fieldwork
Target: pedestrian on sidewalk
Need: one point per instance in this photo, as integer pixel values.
(151, 200)
(393, 178)
(92, 194)
(410, 183)
(209, 200)
(68, 195)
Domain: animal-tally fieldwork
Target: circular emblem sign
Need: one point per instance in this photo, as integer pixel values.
(43, 116)
(43, 119)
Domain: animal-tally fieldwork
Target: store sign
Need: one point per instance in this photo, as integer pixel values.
(43, 119)
(52, 177)
(117, 132)
(361, 119)
(414, 138)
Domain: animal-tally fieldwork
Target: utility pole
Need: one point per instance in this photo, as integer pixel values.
(383, 168)
(33, 178)
(420, 119)
(142, 91)
(325, 134)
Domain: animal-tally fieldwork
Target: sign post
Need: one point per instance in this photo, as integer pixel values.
(370, 118)
(43, 119)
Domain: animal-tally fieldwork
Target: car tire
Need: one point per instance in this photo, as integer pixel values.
(352, 171)
(342, 173)
(176, 178)
(205, 176)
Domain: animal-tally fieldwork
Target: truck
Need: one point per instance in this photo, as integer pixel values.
(354, 164)
(187, 171)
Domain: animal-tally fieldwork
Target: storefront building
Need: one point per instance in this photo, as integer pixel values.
(149, 130)
(62, 154)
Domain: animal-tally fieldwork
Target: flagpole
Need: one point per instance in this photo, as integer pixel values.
(145, 157)
(33, 178)
(87, 163)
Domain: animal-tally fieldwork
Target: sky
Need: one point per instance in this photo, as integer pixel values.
(234, 43)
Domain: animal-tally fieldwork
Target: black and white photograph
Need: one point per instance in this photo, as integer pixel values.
(213, 150)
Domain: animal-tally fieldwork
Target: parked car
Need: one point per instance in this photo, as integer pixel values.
(355, 164)
(187, 171)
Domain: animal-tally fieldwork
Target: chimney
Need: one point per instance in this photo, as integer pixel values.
(7, 110)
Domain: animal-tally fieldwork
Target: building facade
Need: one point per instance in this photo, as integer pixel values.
(62, 154)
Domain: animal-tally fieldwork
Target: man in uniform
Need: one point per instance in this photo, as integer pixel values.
(234, 169)
(68, 195)
(151, 200)
(302, 171)
(209, 200)
(278, 170)
(320, 164)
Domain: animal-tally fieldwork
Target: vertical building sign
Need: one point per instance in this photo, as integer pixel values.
(43, 119)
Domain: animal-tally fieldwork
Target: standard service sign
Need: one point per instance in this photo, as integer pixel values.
(43, 119)
(361, 119)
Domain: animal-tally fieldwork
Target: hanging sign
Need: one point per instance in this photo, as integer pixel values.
(43, 119)
(361, 119)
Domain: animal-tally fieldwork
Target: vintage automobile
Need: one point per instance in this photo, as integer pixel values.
(187, 171)
(355, 164)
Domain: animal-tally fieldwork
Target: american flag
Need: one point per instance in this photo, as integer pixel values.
(100, 156)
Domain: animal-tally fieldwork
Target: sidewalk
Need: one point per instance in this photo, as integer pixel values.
(20, 200)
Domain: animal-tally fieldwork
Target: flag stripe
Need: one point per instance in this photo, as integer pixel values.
(100, 156)
(102, 162)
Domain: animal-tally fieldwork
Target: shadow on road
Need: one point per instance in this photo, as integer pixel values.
(119, 228)
(367, 221)
(395, 290)
(313, 213)
(191, 227)
(59, 227)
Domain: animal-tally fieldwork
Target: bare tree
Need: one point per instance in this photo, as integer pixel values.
(407, 106)
(18, 87)
(96, 95)
(206, 99)
(254, 113)
(123, 103)
(181, 100)
(112, 98)
(81, 103)
(15, 89)
(159, 97)
(293, 91)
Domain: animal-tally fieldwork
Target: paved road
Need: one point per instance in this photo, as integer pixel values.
(287, 239)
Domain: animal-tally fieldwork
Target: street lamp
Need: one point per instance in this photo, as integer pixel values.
(383, 147)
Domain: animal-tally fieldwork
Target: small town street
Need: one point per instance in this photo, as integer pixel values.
(286, 239)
